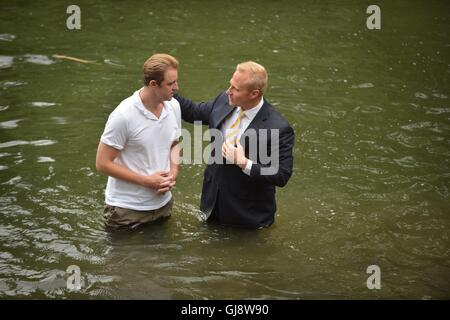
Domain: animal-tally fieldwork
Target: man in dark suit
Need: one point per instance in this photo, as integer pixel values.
(251, 155)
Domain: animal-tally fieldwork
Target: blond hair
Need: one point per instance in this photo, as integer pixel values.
(258, 75)
(155, 67)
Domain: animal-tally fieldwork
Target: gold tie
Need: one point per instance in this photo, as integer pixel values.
(235, 128)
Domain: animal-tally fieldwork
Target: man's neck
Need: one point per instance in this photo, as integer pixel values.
(150, 100)
(252, 104)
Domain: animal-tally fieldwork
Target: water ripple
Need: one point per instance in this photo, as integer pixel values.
(407, 162)
(438, 110)
(38, 59)
(6, 62)
(407, 140)
(368, 109)
(14, 143)
(11, 124)
(13, 181)
(59, 120)
(8, 84)
(45, 159)
(42, 104)
(7, 37)
(362, 86)
(439, 95)
(421, 95)
(44, 142)
(417, 125)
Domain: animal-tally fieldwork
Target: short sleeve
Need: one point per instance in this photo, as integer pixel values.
(115, 133)
(175, 105)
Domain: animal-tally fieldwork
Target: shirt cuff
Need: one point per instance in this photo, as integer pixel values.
(108, 142)
(248, 167)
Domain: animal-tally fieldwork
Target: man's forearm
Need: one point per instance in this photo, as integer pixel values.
(175, 158)
(120, 172)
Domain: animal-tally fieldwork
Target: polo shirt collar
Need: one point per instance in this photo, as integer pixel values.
(147, 113)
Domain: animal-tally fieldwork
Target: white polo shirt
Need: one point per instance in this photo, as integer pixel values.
(144, 142)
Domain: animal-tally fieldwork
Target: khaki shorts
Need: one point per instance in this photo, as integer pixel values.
(121, 217)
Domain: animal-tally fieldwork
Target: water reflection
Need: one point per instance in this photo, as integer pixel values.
(38, 59)
(6, 62)
(7, 37)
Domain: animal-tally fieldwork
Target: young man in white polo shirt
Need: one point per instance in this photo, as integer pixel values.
(139, 148)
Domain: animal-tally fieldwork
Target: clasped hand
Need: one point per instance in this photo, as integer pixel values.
(161, 181)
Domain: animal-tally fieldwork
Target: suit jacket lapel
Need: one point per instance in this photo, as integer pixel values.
(223, 115)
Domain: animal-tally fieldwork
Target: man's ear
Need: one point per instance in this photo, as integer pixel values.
(255, 93)
(152, 84)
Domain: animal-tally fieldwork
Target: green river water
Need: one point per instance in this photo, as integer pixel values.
(371, 180)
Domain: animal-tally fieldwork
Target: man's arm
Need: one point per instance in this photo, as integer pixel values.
(191, 111)
(105, 164)
(175, 159)
(276, 174)
(283, 171)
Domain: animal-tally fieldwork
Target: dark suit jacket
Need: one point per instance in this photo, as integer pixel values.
(247, 201)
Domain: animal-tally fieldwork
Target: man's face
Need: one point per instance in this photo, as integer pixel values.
(169, 85)
(238, 94)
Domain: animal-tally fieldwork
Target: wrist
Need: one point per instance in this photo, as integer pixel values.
(243, 163)
(142, 181)
(174, 173)
(147, 181)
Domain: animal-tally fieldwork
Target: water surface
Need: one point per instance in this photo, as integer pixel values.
(371, 180)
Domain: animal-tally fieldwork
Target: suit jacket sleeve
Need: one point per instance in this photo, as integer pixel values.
(191, 111)
(284, 169)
